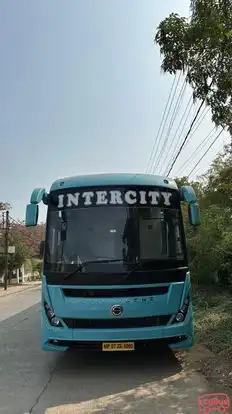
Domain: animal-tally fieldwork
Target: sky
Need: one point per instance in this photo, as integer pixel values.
(81, 91)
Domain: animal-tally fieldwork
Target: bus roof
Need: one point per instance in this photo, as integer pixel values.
(115, 179)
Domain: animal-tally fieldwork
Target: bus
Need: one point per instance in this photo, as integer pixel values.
(115, 264)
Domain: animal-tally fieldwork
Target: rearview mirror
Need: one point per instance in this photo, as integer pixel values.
(41, 248)
(32, 214)
(194, 214)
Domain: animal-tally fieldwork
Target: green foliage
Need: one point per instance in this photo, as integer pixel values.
(213, 319)
(210, 246)
(16, 260)
(201, 48)
(22, 252)
(39, 267)
(218, 189)
(36, 268)
(26, 242)
(198, 186)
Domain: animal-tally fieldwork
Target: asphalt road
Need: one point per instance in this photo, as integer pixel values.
(37, 382)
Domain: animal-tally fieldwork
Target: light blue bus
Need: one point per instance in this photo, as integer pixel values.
(115, 265)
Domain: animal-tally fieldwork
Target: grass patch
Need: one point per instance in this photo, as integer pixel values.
(213, 320)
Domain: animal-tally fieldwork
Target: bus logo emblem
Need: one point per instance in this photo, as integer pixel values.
(116, 310)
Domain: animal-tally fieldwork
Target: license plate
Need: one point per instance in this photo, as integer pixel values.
(118, 346)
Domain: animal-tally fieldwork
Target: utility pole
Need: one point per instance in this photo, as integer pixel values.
(6, 225)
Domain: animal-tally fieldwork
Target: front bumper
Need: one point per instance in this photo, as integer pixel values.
(176, 336)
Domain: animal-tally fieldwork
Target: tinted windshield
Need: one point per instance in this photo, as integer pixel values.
(127, 234)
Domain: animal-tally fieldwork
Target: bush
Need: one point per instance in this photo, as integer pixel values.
(211, 248)
(36, 269)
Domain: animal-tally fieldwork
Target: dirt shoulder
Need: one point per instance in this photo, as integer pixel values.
(212, 354)
(216, 370)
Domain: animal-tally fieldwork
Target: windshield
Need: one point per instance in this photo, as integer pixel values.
(126, 234)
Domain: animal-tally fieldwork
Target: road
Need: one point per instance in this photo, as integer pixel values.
(33, 381)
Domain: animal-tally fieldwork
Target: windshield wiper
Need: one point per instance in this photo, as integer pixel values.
(81, 266)
(135, 268)
(138, 266)
(78, 269)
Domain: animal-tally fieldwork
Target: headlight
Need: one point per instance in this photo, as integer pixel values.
(181, 314)
(179, 317)
(54, 321)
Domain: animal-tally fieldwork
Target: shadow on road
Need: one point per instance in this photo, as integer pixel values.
(42, 382)
(155, 364)
(115, 382)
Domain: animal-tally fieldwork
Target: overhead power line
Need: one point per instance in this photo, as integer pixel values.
(198, 123)
(172, 120)
(217, 150)
(186, 137)
(164, 123)
(155, 146)
(196, 151)
(200, 120)
(210, 146)
(160, 141)
(186, 115)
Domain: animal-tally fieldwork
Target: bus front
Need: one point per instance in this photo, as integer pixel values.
(115, 271)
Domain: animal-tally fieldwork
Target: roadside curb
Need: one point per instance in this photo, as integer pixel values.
(8, 292)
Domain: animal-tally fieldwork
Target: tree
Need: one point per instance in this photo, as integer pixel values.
(201, 48)
(37, 266)
(210, 246)
(218, 189)
(4, 206)
(26, 242)
(197, 185)
(30, 236)
(16, 260)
